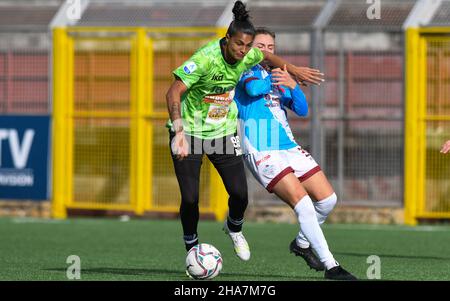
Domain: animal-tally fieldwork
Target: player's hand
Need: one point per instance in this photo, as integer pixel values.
(446, 147)
(305, 75)
(282, 77)
(180, 145)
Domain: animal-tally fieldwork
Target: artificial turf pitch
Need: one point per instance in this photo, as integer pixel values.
(110, 249)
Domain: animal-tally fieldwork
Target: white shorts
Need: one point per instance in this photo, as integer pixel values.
(269, 167)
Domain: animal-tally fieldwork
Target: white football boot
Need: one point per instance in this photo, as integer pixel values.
(240, 244)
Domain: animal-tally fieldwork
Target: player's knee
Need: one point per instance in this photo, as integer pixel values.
(188, 204)
(326, 205)
(190, 199)
(332, 200)
(305, 209)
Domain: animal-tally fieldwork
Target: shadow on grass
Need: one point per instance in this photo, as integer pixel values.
(390, 256)
(181, 274)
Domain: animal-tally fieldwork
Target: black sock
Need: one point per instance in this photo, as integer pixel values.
(234, 225)
(190, 241)
(189, 246)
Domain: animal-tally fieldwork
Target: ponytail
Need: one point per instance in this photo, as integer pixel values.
(241, 22)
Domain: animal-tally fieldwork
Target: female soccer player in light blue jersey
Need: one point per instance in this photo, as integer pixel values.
(278, 162)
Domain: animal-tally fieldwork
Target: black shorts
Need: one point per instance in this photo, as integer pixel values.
(222, 151)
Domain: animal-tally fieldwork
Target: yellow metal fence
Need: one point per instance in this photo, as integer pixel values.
(110, 144)
(427, 124)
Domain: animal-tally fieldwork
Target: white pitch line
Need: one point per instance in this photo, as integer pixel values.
(32, 220)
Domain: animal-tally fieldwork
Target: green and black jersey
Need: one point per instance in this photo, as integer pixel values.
(207, 107)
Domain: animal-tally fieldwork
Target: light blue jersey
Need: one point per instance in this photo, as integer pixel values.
(261, 111)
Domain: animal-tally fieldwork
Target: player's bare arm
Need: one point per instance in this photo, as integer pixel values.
(173, 98)
(302, 75)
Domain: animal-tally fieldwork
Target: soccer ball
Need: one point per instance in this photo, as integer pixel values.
(203, 261)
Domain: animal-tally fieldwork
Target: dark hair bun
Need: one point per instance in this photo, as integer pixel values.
(239, 11)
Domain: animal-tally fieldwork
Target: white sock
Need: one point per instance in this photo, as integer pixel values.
(312, 231)
(301, 240)
(323, 209)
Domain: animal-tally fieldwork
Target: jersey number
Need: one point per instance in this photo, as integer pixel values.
(235, 141)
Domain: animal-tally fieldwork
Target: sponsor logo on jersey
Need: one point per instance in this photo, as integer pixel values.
(189, 67)
(218, 113)
(217, 77)
(223, 99)
(272, 99)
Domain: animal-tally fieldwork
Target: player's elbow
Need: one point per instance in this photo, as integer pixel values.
(170, 100)
(169, 96)
(303, 112)
(175, 92)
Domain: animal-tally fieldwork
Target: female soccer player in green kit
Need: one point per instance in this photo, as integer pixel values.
(203, 120)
